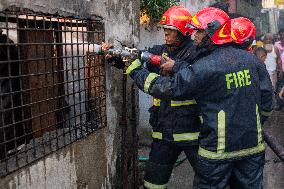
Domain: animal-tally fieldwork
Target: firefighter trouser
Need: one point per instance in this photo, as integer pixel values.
(239, 174)
(162, 158)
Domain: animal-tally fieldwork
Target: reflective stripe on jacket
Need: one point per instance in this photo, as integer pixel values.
(178, 137)
(175, 121)
(231, 88)
(174, 103)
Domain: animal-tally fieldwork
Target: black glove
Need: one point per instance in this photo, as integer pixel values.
(117, 62)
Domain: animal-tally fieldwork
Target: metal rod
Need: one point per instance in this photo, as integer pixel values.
(44, 87)
(274, 144)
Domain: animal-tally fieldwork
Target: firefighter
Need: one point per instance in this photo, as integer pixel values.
(243, 33)
(175, 124)
(226, 87)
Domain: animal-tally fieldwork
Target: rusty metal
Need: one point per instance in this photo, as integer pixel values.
(133, 123)
(52, 84)
(274, 144)
(128, 173)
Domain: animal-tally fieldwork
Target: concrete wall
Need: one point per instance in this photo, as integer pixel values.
(274, 19)
(281, 20)
(246, 9)
(91, 162)
(80, 165)
(254, 12)
(194, 6)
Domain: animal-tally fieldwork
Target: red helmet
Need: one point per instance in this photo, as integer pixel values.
(176, 17)
(242, 30)
(215, 21)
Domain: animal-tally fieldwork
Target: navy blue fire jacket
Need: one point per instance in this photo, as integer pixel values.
(232, 90)
(174, 121)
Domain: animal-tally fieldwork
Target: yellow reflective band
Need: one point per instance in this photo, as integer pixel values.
(154, 186)
(135, 64)
(226, 155)
(183, 103)
(156, 102)
(157, 135)
(179, 17)
(195, 21)
(186, 136)
(201, 119)
(178, 137)
(258, 123)
(221, 32)
(267, 114)
(221, 132)
(149, 80)
(233, 35)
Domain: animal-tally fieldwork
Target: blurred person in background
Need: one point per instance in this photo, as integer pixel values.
(280, 48)
(260, 53)
(271, 59)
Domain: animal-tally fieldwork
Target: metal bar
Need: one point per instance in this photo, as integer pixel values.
(274, 144)
(46, 86)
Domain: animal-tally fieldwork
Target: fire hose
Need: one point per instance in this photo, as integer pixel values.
(274, 144)
(127, 54)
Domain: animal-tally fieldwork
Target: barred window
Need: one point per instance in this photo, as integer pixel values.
(52, 84)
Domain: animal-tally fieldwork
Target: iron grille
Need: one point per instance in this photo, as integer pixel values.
(52, 85)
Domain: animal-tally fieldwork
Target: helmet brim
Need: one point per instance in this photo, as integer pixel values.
(191, 26)
(168, 27)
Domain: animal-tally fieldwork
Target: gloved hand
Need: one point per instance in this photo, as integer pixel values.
(167, 67)
(116, 62)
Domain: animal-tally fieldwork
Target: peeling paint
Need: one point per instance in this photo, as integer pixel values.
(48, 173)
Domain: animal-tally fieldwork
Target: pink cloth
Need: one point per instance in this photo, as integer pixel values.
(280, 47)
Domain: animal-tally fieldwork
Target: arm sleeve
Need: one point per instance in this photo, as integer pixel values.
(152, 68)
(179, 65)
(182, 86)
(191, 59)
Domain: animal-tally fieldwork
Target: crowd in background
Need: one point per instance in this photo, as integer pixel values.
(270, 50)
